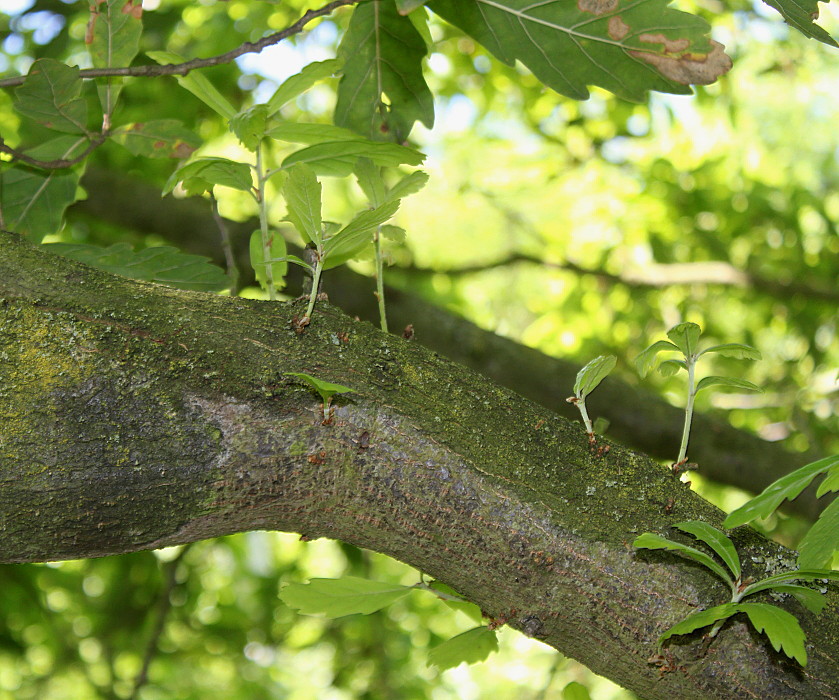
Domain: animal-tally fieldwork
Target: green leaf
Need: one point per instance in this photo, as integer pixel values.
(469, 647)
(670, 367)
(627, 48)
(590, 376)
(407, 6)
(814, 601)
(700, 619)
(408, 185)
(716, 540)
(164, 264)
(601, 425)
(297, 261)
(201, 175)
(33, 201)
(783, 629)
(822, 539)
(787, 487)
(197, 84)
(383, 91)
(802, 14)
(339, 157)
(469, 609)
(116, 29)
(686, 337)
(300, 132)
(336, 597)
(397, 234)
(741, 352)
(326, 391)
(645, 361)
(51, 95)
(371, 182)
(649, 540)
(705, 382)
(277, 249)
(575, 691)
(830, 483)
(796, 575)
(249, 126)
(352, 238)
(302, 193)
(298, 84)
(159, 138)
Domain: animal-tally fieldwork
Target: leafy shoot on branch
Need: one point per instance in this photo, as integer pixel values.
(588, 379)
(326, 390)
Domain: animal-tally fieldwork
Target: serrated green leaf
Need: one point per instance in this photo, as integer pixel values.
(357, 233)
(705, 382)
(670, 367)
(164, 264)
(830, 483)
(300, 82)
(277, 250)
(814, 601)
(649, 540)
(397, 234)
(201, 175)
(785, 577)
(302, 193)
(716, 540)
(822, 539)
(337, 597)
(51, 95)
(700, 619)
(645, 361)
(686, 337)
(370, 180)
(741, 352)
(802, 14)
(408, 185)
(338, 158)
(249, 126)
(575, 691)
(590, 376)
(383, 90)
(787, 487)
(159, 138)
(627, 48)
(33, 201)
(197, 84)
(469, 647)
(300, 132)
(469, 609)
(116, 29)
(783, 630)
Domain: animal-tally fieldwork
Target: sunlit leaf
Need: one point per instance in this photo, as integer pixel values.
(408, 185)
(159, 138)
(300, 82)
(646, 360)
(383, 90)
(649, 540)
(802, 14)
(397, 234)
(201, 175)
(339, 157)
(822, 539)
(741, 352)
(115, 30)
(336, 597)
(670, 367)
(358, 232)
(469, 647)
(626, 48)
(277, 249)
(164, 264)
(686, 337)
(716, 540)
(197, 84)
(301, 132)
(787, 487)
(575, 691)
(302, 193)
(370, 180)
(706, 382)
(51, 95)
(590, 376)
(249, 126)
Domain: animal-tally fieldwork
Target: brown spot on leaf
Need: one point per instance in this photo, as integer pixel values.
(618, 29)
(597, 7)
(670, 45)
(690, 69)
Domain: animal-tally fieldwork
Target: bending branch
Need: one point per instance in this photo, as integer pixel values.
(57, 164)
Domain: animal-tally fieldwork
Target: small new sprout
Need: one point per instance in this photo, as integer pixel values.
(684, 338)
(326, 390)
(588, 379)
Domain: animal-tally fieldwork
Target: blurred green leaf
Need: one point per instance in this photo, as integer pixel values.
(590, 376)
(301, 132)
(705, 382)
(820, 543)
(741, 352)
(302, 193)
(670, 367)
(249, 126)
(257, 255)
(51, 95)
(408, 185)
(469, 647)
(300, 82)
(357, 233)
(116, 29)
(337, 597)
(802, 14)
(197, 84)
(407, 6)
(575, 691)
(339, 157)
(201, 175)
(716, 540)
(159, 138)
(646, 360)
(686, 337)
(371, 182)
(397, 234)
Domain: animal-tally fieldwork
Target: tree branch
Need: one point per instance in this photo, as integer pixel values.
(57, 164)
(187, 66)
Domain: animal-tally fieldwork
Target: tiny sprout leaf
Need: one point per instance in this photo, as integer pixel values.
(726, 381)
(469, 647)
(814, 601)
(303, 200)
(741, 352)
(700, 619)
(716, 540)
(669, 367)
(575, 691)
(336, 597)
(649, 540)
(325, 389)
(645, 361)
(781, 627)
(685, 336)
(787, 487)
(590, 376)
(277, 252)
(822, 539)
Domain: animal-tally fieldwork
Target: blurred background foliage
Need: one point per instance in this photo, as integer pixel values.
(575, 228)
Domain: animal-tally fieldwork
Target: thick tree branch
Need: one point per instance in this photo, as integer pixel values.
(637, 418)
(152, 70)
(136, 416)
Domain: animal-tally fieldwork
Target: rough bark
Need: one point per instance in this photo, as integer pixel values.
(135, 416)
(637, 418)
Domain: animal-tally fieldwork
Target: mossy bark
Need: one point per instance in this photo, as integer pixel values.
(135, 416)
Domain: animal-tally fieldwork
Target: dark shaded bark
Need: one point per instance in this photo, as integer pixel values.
(637, 418)
(136, 416)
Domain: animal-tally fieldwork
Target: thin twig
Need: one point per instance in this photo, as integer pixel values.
(187, 66)
(57, 164)
(226, 246)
